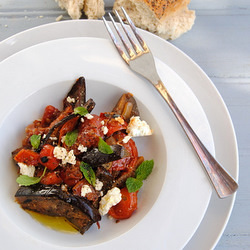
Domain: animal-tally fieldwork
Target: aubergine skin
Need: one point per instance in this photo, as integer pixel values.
(95, 158)
(78, 93)
(52, 201)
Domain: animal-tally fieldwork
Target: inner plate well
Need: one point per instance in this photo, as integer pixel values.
(40, 69)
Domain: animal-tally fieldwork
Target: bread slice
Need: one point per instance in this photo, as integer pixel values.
(93, 9)
(166, 18)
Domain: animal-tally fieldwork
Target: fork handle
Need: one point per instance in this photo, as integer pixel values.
(223, 183)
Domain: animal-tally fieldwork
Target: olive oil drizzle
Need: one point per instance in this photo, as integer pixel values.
(56, 223)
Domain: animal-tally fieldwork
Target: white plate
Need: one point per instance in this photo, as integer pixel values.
(43, 74)
(202, 87)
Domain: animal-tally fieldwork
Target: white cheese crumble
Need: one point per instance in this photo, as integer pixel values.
(53, 138)
(126, 139)
(120, 120)
(82, 149)
(137, 127)
(66, 157)
(26, 169)
(102, 122)
(82, 119)
(63, 139)
(110, 199)
(105, 130)
(98, 185)
(89, 116)
(71, 158)
(85, 190)
(70, 100)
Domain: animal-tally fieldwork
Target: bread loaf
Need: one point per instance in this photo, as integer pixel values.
(93, 9)
(166, 18)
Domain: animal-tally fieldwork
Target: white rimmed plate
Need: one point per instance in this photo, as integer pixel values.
(207, 234)
(43, 74)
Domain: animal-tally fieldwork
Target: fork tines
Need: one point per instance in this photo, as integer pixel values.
(132, 53)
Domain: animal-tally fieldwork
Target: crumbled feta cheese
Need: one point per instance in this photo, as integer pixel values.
(137, 127)
(27, 169)
(64, 187)
(102, 122)
(110, 199)
(71, 157)
(62, 154)
(53, 138)
(120, 120)
(82, 149)
(63, 139)
(105, 130)
(82, 119)
(70, 100)
(98, 185)
(85, 190)
(44, 136)
(89, 116)
(126, 139)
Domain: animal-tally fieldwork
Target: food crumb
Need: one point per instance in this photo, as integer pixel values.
(59, 18)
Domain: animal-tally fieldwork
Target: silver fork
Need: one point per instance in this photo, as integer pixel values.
(140, 59)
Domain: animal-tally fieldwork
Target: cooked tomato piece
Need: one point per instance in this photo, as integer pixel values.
(49, 115)
(113, 124)
(71, 174)
(92, 196)
(47, 158)
(128, 162)
(27, 157)
(68, 126)
(89, 132)
(125, 208)
(51, 178)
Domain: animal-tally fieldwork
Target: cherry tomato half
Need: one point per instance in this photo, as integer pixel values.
(126, 163)
(27, 157)
(51, 178)
(125, 208)
(71, 174)
(49, 115)
(47, 158)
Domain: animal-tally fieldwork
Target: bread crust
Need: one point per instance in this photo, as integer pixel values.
(166, 18)
(164, 8)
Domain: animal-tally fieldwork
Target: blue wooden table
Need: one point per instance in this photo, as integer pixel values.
(220, 44)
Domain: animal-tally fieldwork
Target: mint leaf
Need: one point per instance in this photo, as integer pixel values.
(25, 180)
(88, 173)
(141, 173)
(103, 147)
(133, 184)
(71, 137)
(80, 111)
(144, 170)
(35, 141)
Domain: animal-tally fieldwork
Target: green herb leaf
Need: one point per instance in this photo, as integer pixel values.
(141, 173)
(133, 184)
(71, 137)
(144, 170)
(88, 173)
(35, 141)
(103, 147)
(81, 111)
(25, 180)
